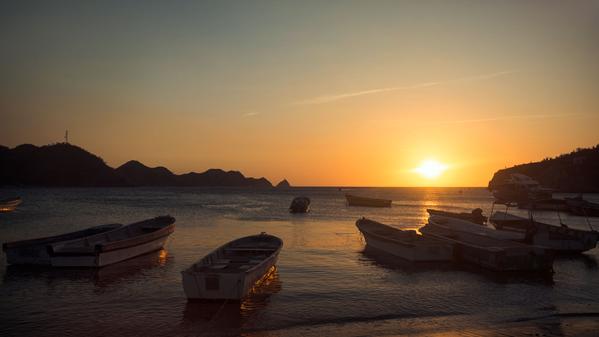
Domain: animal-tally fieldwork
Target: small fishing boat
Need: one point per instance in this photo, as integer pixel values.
(460, 225)
(559, 238)
(406, 244)
(579, 206)
(300, 205)
(9, 204)
(35, 251)
(115, 246)
(234, 270)
(354, 200)
(475, 216)
(491, 253)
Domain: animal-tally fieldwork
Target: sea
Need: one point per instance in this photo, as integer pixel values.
(326, 282)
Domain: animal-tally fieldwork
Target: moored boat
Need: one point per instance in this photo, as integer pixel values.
(558, 238)
(35, 251)
(579, 206)
(9, 204)
(460, 225)
(354, 200)
(300, 205)
(406, 244)
(491, 253)
(233, 270)
(111, 247)
(475, 216)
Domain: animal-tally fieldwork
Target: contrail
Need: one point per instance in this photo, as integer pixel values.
(337, 97)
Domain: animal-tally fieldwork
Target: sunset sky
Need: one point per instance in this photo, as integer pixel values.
(319, 92)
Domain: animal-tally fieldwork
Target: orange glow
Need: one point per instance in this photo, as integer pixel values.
(430, 169)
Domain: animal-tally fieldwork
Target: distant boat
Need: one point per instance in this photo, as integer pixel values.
(300, 205)
(234, 269)
(460, 225)
(9, 204)
(115, 246)
(354, 200)
(475, 216)
(579, 206)
(559, 238)
(35, 251)
(488, 252)
(406, 244)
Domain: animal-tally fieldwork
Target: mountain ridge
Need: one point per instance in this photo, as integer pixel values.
(67, 165)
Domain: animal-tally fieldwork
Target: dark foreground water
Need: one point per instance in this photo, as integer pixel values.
(326, 283)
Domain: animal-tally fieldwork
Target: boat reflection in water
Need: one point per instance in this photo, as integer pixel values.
(230, 313)
(100, 277)
(373, 256)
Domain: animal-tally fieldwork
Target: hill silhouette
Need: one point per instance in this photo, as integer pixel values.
(64, 164)
(577, 171)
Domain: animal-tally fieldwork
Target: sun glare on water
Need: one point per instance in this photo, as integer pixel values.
(430, 169)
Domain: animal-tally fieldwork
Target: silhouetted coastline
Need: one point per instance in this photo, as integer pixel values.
(66, 165)
(572, 172)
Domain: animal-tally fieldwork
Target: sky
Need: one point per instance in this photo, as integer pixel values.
(323, 93)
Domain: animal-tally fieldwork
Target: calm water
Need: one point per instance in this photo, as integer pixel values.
(325, 281)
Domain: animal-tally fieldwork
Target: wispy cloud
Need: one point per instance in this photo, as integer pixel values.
(250, 114)
(512, 117)
(337, 97)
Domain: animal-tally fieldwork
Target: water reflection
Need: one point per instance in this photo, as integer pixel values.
(100, 277)
(381, 259)
(231, 314)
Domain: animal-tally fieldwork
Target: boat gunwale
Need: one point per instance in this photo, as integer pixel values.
(56, 238)
(509, 243)
(109, 246)
(397, 241)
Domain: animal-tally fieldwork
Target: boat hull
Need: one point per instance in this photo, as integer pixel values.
(115, 246)
(35, 251)
(230, 286)
(492, 254)
(101, 259)
(422, 251)
(561, 239)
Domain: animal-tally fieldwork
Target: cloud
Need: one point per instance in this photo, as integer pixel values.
(502, 118)
(250, 114)
(337, 97)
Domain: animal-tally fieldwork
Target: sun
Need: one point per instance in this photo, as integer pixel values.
(430, 169)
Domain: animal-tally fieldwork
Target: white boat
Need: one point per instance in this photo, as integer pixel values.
(35, 251)
(115, 246)
(9, 205)
(460, 225)
(558, 238)
(406, 244)
(233, 270)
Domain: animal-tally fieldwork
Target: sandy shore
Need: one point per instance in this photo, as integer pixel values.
(461, 325)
